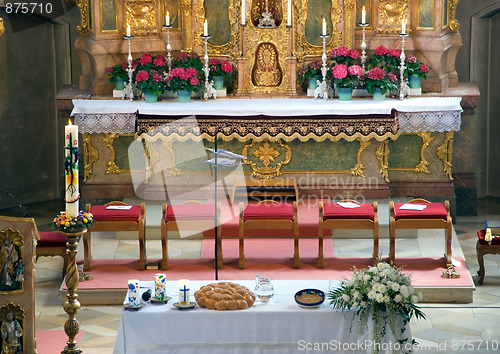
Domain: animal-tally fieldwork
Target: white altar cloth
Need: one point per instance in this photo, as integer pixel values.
(279, 326)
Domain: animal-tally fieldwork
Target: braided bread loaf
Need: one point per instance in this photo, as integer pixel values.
(224, 296)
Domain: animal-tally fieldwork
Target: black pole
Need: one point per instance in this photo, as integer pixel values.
(215, 214)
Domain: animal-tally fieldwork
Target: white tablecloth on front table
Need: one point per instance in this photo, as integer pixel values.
(279, 326)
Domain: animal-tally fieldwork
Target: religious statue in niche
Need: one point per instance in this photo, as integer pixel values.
(271, 7)
(266, 71)
(11, 329)
(11, 261)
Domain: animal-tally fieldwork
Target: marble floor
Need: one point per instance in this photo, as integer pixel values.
(472, 328)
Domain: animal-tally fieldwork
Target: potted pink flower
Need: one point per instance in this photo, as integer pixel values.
(415, 71)
(149, 76)
(346, 77)
(378, 81)
(220, 70)
(118, 75)
(183, 81)
(343, 55)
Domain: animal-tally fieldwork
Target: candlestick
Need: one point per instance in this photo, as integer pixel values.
(167, 19)
(128, 91)
(209, 91)
(363, 15)
(168, 26)
(402, 66)
(403, 26)
(128, 30)
(71, 169)
(184, 285)
(323, 32)
(243, 12)
(205, 28)
(289, 13)
(323, 90)
(363, 46)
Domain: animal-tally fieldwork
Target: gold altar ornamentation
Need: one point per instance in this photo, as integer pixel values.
(90, 154)
(303, 48)
(187, 27)
(453, 23)
(13, 239)
(18, 317)
(267, 154)
(358, 169)
(2, 28)
(349, 18)
(266, 71)
(226, 49)
(141, 16)
(391, 13)
(83, 6)
(112, 166)
(382, 155)
(444, 152)
(156, 155)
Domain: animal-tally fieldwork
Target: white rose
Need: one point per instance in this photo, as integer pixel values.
(379, 297)
(398, 298)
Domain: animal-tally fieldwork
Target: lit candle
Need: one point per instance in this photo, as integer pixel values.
(184, 291)
(167, 19)
(289, 13)
(71, 168)
(205, 28)
(403, 26)
(324, 28)
(363, 15)
(128, 30)
(243, 11)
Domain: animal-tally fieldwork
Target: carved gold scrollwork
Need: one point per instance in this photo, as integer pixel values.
(90, 155)
(302, 47)
(2, 28)
(383, 152)
(391, 13)
(83, 6)
(444, 152)
(226, 49)
(358, 169)
(453, 23)
(112, 167)
(156, 157)
(141, 16)
(269, 159)
(349, 22)
(187, 27)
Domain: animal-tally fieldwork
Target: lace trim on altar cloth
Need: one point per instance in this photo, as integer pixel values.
(148, 348)
(436, 121)
(96, 123)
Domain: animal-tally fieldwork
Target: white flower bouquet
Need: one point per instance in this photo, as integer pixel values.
(384, 293)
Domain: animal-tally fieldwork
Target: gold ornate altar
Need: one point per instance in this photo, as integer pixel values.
(267, 57)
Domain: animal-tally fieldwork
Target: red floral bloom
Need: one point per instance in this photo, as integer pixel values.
(141, 76)
(394, 53)
(339, 71)
(381, 50)
(355, 70)
(424, 68)
(194, 81)
(157, 78)
(146, 59)
(376, 73)
(228, 68)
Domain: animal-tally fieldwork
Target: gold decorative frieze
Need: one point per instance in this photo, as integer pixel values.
(83, 6)
(270, 157)
(452, 21)
(112, 167)
(187, 27)
(444, 152)
(160, 156)
(141, 16)
(90, 154)
(383, 152)
(358, 170)
(390, 15)
(226, 49)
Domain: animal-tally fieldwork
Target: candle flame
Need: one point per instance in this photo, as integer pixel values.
(69, 121)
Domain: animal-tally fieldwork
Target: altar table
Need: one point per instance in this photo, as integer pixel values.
(279, 326)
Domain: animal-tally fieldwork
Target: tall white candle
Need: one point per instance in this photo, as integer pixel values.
(205, 28)
(363, 15)
(324, 28)
(184, 285)
(71, 169)
(128, 30)
(167, 19)
(289, 13)
(403, 26)
(243, 12)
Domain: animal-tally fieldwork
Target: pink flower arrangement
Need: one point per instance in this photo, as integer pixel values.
(149, 73)
(385, 58)
(416, 68)
(184, 79)
(343, 55)
(379, 78)
(345, 76)
(220, 68)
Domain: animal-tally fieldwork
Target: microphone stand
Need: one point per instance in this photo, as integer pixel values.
(25, 212)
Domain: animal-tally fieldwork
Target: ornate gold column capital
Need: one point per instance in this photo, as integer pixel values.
(84, 14)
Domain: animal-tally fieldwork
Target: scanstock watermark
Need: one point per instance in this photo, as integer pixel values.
(49, 9)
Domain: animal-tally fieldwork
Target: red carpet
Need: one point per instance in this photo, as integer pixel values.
(271, 257)
(53, 341)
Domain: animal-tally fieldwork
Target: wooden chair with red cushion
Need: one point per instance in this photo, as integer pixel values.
(117, 216)
(334, 216)
(484, 247)
(52, 243)
(434, 216)
(264, 215)
(191, 215)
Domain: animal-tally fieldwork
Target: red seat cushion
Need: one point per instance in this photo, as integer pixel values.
(269, 211)
(190, 212)
(480, 235)
(432, 211)
(51, 239)
(100, 213)
(335, 211)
